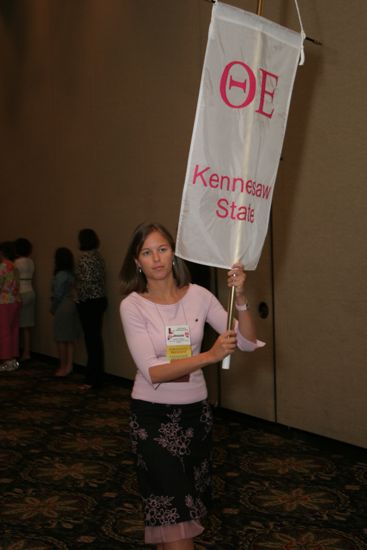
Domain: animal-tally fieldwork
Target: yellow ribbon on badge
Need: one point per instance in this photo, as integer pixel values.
(178, 352)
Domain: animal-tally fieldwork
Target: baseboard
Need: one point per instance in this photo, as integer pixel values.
(49, 360)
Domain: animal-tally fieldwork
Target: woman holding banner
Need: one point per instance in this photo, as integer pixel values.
(163, 317)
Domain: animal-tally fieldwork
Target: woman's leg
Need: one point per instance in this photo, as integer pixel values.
(61, 348)
(69, 357)
(14, 327)
(62, 354)
(26, 343)
(91, 315)
(9, 335)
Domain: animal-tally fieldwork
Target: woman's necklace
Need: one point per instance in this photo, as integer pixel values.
(180, 305)
(177, 336)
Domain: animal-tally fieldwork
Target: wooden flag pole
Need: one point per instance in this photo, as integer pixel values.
(226, 361)
(230, 310)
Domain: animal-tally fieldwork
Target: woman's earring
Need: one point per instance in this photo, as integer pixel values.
(139, 268)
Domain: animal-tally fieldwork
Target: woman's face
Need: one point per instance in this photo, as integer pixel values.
(155, 257)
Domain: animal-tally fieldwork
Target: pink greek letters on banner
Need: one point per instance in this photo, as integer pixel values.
(248, 86)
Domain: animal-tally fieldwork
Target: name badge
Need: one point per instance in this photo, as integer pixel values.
(178, 343)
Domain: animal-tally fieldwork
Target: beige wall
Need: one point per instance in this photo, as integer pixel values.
(319, 227)
(97, 101)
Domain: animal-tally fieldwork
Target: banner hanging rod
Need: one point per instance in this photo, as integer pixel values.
(259, 12)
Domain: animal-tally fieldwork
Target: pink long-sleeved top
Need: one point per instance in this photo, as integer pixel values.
(144, 325)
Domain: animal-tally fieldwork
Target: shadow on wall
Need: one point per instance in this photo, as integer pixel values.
(294, 144)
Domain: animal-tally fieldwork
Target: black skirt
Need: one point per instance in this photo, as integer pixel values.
(172, 447)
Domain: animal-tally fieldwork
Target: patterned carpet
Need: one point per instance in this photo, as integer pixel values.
(67, 477)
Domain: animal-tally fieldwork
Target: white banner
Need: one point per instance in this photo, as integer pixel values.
(247, 80)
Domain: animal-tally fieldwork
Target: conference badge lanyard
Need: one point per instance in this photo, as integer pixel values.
(178, 343)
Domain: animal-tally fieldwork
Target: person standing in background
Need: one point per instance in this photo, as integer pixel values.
(66, 322)
(91, 305)
(9, 309)
(25, 267)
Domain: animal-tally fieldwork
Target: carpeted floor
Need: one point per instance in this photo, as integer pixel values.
(67, 476)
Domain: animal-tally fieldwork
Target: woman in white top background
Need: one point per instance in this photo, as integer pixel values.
(25, 267)
(163, 318)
